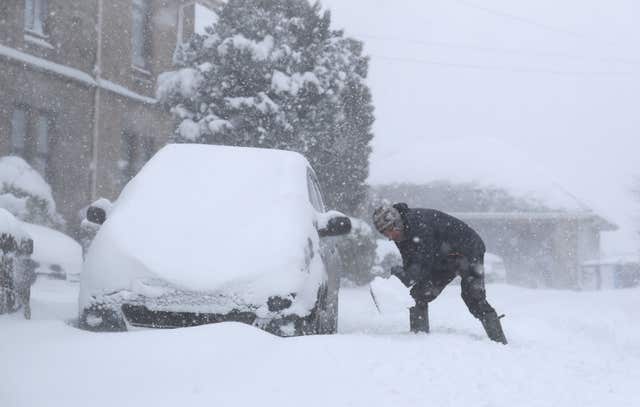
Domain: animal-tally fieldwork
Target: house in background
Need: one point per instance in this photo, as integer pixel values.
(614, 272)
(542, 232)
(78, 82)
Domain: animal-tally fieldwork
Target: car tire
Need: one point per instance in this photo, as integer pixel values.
(102, 318)
(326, 312)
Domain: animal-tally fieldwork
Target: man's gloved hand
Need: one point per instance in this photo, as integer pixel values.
(395, 270)
(423, 292)
(402, 275)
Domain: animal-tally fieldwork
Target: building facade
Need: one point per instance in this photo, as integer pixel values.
(541, 249)
(78, 81)
(609, 273)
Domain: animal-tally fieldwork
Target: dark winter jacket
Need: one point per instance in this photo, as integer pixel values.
(431, 239)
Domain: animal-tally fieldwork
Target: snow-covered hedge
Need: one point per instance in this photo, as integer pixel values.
(25, 194)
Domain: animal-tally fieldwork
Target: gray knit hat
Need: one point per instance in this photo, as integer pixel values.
(385, 217)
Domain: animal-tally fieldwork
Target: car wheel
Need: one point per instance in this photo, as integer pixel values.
(101, 318)
(326, 315)
(332, 303)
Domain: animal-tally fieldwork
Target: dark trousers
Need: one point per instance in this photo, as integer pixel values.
(471, 273)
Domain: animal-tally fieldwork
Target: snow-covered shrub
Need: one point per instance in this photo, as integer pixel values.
(273, 74)
(25, 194)
(494, 269)
(358, 252)
(387, 256)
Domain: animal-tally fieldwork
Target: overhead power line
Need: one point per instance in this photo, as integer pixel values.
(497, 68)
(497, 50)
(529, 21)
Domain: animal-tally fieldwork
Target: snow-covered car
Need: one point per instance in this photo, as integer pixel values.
(55, 254)
(207, 234)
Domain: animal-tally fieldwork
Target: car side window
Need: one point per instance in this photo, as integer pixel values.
(315, 197)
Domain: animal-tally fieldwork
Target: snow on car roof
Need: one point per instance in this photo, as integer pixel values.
(199, 216)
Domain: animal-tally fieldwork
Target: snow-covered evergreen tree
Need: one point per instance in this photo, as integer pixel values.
(26, 195)
(273, 74)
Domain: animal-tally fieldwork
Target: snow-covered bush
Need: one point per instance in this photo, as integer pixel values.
(358, 252)
(25, 194)
(387, 256)
(273, 74)
(494, 269)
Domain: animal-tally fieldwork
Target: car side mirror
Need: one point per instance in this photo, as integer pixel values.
(337, 226)
(96, 215)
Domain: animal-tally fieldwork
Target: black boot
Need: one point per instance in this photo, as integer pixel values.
(419, 318)
(491, 324)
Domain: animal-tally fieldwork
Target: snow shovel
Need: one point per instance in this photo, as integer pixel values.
(375, 301)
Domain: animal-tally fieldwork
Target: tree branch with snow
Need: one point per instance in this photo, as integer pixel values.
(275, 75)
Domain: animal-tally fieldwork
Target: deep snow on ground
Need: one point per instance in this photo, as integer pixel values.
(567, 349)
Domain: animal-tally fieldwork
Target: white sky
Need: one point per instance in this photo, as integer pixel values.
(203, 18)
(557, 80)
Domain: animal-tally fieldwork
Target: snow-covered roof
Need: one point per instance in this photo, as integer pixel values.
(71, 73)
(598, 221)
(614, 260)
(476, 160)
